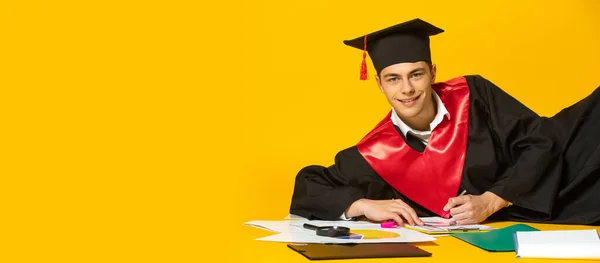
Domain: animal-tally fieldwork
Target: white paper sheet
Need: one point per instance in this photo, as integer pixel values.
(292, 231)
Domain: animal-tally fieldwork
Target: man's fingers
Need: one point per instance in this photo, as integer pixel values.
(459, 200)
(414, 216)
(455, 201)
(398, 219)
(460, 209)
(408, 217)
(466, 217)
(411, 217)
(459, 216)
(412, 212)
(403, 211)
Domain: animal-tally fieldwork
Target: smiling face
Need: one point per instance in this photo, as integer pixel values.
(407, 87)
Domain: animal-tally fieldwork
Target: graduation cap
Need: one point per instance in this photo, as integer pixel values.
(404, 42)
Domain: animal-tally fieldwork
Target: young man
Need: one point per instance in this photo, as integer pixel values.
(461, 148)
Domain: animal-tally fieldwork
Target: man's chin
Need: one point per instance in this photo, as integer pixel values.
(407, 112)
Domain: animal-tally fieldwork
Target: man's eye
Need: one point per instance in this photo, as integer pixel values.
(416, 75)
(392, 79)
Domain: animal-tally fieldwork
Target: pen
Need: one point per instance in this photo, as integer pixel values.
(447, 212)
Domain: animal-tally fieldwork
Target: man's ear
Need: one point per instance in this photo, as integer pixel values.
(379, 83)
(433, 73)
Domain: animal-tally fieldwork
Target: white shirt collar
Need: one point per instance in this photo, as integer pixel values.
(441, 112)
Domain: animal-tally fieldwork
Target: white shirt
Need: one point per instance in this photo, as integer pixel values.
(422, 135)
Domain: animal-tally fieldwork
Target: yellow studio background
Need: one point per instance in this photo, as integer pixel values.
(135, 131)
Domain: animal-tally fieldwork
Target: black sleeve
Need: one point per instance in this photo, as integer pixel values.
(326, 192)
(532, 177)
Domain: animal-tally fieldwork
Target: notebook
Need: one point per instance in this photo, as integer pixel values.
(558, 244)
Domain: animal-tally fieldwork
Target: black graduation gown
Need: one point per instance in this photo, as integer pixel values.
(549, 168)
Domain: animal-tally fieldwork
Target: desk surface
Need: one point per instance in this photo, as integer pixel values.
(444, 249)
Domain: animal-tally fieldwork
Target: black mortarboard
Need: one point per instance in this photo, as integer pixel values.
(404, 42)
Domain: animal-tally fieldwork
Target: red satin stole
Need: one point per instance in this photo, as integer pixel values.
(431, 177)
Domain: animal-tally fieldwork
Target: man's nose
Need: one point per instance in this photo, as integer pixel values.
(407, 88)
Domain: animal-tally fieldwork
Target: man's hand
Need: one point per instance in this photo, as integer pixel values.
(473, 209)
(382, 210)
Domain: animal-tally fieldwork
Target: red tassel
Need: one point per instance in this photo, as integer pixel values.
(363, 65)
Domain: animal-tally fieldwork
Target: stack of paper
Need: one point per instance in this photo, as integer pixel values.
(439, 225)
(558, 244)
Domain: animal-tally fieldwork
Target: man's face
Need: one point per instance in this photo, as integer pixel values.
(407, 87)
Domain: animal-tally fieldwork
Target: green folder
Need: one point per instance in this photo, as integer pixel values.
(498, 240)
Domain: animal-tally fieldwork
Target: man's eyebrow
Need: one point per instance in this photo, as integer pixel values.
(391, 75)
(415, 70)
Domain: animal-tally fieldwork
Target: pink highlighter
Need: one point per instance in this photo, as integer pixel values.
(390, 224)
(445, 213)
